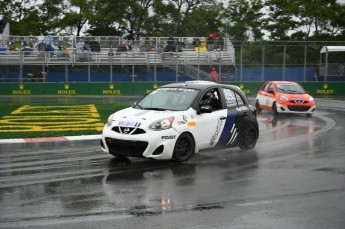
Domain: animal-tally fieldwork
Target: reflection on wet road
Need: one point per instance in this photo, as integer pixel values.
(293, 179)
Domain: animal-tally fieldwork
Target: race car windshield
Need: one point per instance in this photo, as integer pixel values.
(290, 89)
(177, 99)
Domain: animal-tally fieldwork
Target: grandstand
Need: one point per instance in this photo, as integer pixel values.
(22, 56)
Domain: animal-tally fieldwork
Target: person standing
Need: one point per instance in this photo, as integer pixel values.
(214, 75)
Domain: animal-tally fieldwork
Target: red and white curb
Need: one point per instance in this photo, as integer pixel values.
(51, 139)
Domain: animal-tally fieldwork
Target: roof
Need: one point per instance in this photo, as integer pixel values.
(196, 84)
(332, 49)
(283, 82)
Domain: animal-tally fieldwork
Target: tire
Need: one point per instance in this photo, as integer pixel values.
(184, 148)
(274, 109)
(258, 108)
(249, 139)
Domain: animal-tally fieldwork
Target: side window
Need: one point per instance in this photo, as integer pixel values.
(271, 87)
(239, 100)
(211, 98)
(230, 98)
(265, 88)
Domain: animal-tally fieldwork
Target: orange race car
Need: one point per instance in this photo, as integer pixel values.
(284, 97)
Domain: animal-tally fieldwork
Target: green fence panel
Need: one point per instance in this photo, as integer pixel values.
(324, 88)
(142, 88)
(21, 89)
(66, 88)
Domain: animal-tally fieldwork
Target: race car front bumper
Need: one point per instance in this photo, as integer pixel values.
(152, 144)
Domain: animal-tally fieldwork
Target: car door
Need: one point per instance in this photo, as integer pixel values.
(210, 123)
(266, 96)
(237, 118)
(270, 96)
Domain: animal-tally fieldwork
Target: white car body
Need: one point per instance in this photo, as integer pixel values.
(144, 131)
(188, 120)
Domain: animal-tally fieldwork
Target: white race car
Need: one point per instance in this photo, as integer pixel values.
(180, 119)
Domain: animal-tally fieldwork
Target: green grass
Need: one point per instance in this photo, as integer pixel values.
(13, 125)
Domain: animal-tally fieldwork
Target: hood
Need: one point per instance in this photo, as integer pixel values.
(132, 117)
(296, 96)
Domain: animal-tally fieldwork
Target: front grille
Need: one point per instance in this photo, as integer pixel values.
(128, 130)
(299, 108)
(126, 147)
(299, 101)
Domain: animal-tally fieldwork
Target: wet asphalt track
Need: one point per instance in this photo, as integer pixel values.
(295, 178)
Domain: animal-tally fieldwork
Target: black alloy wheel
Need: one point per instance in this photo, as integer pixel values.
(184, 148)
(250, 138)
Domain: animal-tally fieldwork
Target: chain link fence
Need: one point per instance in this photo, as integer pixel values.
(142, 58)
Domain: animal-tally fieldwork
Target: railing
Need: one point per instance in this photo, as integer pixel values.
(255, 61)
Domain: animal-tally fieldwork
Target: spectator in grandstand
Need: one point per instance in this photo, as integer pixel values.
(49, 39)
(160, 48)
(41, 38)
(59, 52)
(171, 45)
(80, 45)
(220, 43)
(214, 75)
(65, 51)
(196, 42)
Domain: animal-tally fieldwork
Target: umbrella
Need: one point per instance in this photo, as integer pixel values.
(139, 33)
(125, 35)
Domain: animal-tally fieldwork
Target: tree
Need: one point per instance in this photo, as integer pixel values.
(79, 13)
(246, 19)
(313, 18)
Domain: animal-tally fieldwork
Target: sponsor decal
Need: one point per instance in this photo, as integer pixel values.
(66, 90)
(243, 108)
(128, 124)
(168, 137)
(126, 130)
(193, 123)
(184, 121)
(227, 136)
(325, 90)
(21, 91)
(177, 89)
(233, 134)
(216, 133)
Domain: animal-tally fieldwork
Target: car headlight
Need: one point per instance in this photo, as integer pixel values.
(110, 120)
(283, 98)
(311, 98)
(162, 124)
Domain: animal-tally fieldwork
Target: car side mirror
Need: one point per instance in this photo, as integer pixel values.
(205, 109)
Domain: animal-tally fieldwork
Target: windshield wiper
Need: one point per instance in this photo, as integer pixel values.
(138, 106)
(295, 92)
(156, 108)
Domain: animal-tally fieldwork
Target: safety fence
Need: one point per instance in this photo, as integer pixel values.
(145, 59)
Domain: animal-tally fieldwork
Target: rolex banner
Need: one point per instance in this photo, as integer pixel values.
(72, 89)
(130, 88)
